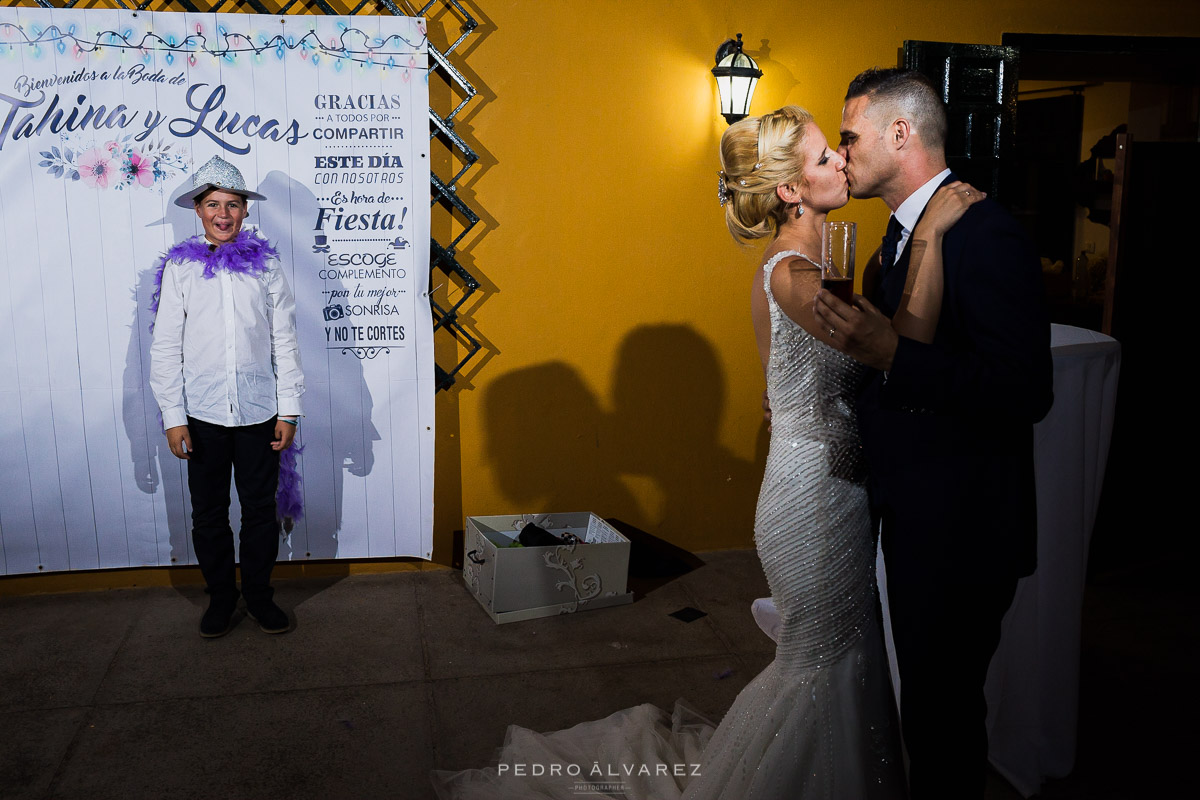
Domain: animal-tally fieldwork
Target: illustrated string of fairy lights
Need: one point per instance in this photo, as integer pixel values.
(234, 43)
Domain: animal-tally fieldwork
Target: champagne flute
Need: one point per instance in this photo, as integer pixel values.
(837, 259)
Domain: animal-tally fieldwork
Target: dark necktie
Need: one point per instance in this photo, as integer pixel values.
(891, 239)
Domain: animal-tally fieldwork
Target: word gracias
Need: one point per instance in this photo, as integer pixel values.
(350, 102)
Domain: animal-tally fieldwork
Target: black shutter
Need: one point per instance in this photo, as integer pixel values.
(978, 84)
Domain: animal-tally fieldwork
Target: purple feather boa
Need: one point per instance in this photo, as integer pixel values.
(247, 253)
(289, 499)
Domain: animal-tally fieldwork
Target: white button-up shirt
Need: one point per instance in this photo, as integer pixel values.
(224, 348)
(911, 209)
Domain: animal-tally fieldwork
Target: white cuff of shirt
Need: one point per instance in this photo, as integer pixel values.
(173, 418)
(288, 407)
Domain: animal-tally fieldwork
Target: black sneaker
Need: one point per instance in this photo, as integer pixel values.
(270, 617)
(218, 619)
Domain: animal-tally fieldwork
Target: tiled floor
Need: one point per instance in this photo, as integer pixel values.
(385, 678)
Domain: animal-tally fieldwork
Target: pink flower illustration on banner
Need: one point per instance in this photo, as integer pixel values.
(115, 164)
(138, 168)
(94, 167)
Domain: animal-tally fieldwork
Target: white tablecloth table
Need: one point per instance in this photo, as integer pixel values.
(1033, 685)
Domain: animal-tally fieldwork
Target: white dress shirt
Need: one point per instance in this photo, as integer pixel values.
(911, 209)
(224, 348)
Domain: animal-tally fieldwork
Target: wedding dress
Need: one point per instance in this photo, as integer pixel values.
(819, 722)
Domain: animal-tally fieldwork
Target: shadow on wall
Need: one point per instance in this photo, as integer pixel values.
(545, 433)
(668, 400)
(553, 448)
(338, 430)
(156, 468)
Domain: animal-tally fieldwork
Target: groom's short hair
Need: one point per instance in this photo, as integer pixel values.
(905, 93)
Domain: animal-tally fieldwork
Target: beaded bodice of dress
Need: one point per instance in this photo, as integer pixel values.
(813, 524)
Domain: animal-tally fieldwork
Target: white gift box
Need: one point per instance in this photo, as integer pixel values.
(516, 583)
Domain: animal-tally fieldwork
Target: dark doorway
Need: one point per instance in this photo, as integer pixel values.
(1046, 159)
(1161, 80)
(1160, 204)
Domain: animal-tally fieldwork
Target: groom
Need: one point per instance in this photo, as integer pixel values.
(947, 427)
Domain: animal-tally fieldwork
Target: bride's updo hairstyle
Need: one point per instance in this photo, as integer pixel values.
(757, 155)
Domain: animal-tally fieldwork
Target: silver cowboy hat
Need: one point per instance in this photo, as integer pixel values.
(217, 173)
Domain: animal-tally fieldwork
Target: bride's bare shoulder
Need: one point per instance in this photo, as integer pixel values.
(794, 282)
(792, 269)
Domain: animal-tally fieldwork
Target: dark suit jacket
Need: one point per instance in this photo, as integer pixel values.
(948, 434)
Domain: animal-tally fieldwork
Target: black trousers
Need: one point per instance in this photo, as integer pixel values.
(945, 632)
(246, 452)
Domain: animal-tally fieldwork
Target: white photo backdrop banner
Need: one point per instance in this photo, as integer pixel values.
(104, 117)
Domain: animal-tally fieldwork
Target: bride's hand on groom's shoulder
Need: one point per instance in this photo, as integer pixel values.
(945, 208)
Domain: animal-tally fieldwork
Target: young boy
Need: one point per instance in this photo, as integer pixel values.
(225, 371)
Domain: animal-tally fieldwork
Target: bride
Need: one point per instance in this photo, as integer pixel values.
(819, 721)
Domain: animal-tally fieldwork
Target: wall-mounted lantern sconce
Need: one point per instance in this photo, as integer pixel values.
(736, 75)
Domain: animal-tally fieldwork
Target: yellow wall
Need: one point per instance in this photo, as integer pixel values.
(623, 376)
